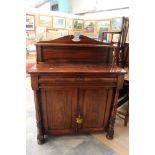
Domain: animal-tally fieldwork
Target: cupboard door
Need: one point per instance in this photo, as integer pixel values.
(94, 108)
(59, 106)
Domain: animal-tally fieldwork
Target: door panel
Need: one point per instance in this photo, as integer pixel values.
(58, 106)
(93, 107)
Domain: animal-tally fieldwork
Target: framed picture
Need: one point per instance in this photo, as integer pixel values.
(63, 33)
(117, 24)
(103, 24)
(30, 35)
(54, 34)
(58, 22)
(30, 23)
(45, 21)
(78, 24)
(89, 26)
(69, 24)
(40, 33)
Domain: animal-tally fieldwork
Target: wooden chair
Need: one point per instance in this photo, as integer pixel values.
(126, 55)
(120, 42)
(124, 45)
(122, 59)
(111, 35)
(113, 41)
(124, 98)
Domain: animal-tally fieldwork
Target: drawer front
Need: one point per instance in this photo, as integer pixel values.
(77, 78)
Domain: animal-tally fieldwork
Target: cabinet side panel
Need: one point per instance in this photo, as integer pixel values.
(108, 106)
(44, 108)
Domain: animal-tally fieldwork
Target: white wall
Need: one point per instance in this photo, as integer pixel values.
(80, 6)
(84, 5)
(107, 14)
(46, 7)
(52, 13)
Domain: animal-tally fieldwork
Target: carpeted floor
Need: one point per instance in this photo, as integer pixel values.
(60, 145)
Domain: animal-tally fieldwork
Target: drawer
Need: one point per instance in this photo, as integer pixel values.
(76, 75)
(76, 78)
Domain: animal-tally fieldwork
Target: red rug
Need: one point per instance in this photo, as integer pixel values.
(28, 66)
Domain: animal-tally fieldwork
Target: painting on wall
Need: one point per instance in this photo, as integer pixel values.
(89, 26)
(69, 24)
(63, 33)
(103, 24)
(58, 22)
(30, 35)
(40, 33)
(78, 24)
(54, 34)
(30, 23)
(117, 24)
(45, 21)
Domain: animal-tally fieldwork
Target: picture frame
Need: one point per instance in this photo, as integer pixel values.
(103, 24)
(54, 34)
(77, 24)
(40, 33)
(30, 22)
(117, 24)
(89, 26)
(69, 23)
(58, 22)
(62, 33)
(45, 21)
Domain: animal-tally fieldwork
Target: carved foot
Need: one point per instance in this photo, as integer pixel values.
(40, 139)
(110, 134)
(110, 131)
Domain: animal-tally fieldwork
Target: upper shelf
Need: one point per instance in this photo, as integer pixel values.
(78, 50)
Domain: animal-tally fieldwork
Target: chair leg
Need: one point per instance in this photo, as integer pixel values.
(126, 119)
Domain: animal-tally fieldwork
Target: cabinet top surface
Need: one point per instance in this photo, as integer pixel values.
(75, 68)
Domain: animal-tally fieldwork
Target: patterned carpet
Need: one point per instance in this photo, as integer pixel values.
(59, 145)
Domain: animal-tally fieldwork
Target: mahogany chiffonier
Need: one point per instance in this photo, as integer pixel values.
(76, 86)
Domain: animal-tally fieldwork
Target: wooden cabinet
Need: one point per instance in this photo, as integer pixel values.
(61, 106)
(75, 87)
